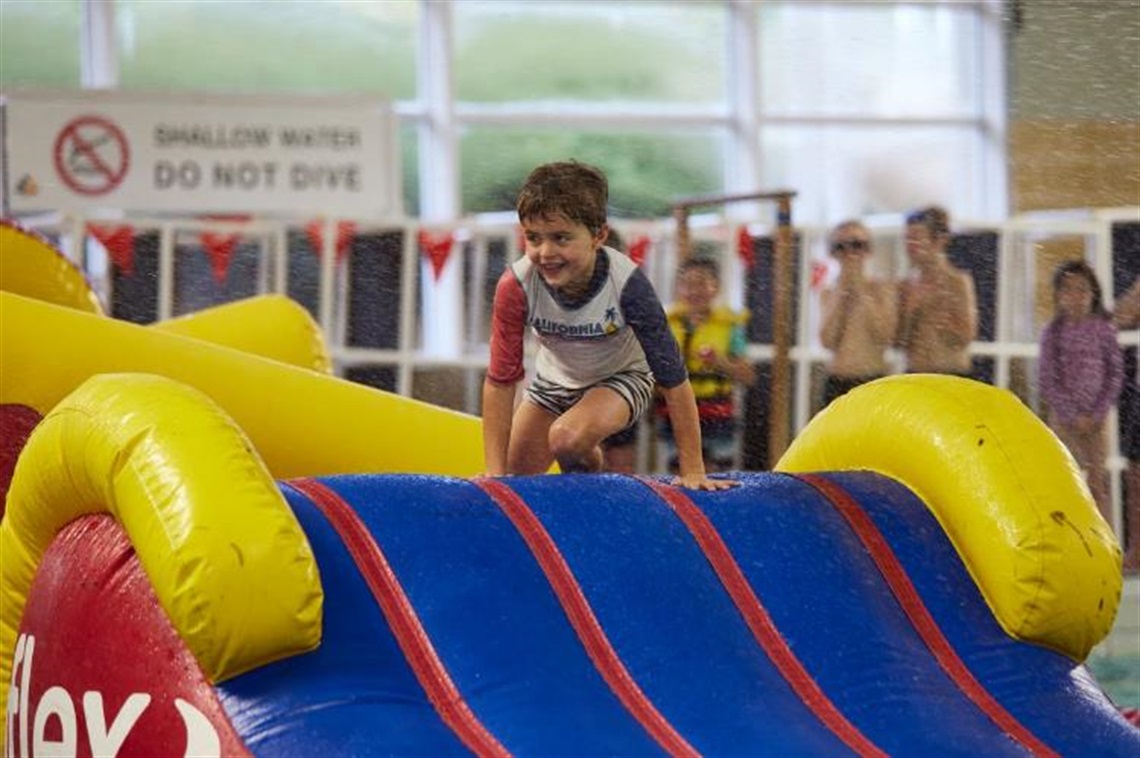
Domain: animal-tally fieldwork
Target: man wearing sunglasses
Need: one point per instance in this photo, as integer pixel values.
(859, 314)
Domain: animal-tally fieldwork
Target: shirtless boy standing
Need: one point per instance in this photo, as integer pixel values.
(859, 315)
(938, 313)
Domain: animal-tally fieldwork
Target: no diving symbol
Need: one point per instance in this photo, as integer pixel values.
(91, 155)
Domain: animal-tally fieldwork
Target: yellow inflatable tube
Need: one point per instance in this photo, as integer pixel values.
(301, 422)
(227, 558)
(272, 326)
(1007, 492)
(30, 266)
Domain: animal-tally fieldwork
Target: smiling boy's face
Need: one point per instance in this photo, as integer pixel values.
(563, 251)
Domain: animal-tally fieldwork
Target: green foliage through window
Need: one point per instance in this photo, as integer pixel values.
(647, 171)
(39, 43)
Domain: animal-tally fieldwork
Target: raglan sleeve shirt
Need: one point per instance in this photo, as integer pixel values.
(508, 328)
(646, 316)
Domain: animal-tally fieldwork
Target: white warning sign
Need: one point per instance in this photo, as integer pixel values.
(70, 152)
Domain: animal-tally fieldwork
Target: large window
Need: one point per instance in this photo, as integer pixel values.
(584, 50)
(861, 107)
(870, 60)
(262, 46)
(850, 170)
(643, 183)
(39, 43)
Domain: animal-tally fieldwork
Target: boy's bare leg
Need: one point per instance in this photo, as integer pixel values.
(529, 451)
(590, 463)
(576, 436)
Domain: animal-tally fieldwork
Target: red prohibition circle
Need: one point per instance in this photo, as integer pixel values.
(91, 155)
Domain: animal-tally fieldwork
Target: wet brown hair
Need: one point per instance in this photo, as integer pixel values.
(933, 217)
(575, 190)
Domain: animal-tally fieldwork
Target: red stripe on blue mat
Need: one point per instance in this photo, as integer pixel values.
(582, 618)
(402, 618)
(758, 619)
(911, 602)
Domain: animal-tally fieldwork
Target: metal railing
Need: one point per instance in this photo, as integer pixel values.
(300, 257)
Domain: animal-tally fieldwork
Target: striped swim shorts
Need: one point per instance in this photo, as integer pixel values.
(635, 387)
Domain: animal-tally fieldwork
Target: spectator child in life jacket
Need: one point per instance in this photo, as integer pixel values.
(713, 342)
(603, 341)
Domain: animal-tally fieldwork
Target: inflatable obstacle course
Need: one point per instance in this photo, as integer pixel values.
(185, 570)
(1006, 492)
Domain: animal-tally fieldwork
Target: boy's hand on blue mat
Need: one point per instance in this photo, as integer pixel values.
(702, 482)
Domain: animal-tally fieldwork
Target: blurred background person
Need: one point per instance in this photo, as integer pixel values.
(859, 313)
(1127, 316)
(713, 343)
(1080, 372)
(938, 311)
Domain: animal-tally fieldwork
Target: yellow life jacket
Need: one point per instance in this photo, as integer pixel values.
(714, 333)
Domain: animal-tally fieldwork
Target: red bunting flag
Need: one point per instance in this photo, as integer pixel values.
(120, 244)
(345, 231)
(219, 249)
(639, 249)
(437, 247)
(744, 248)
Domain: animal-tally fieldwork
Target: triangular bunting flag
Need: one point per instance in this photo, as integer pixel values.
(219, 249)
(345, 231)
(745, 248)
(120, 244)
(638, 249)
(437, 248)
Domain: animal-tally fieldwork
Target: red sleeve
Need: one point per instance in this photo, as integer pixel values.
(508, 324)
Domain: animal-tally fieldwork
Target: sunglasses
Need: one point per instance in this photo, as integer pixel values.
(856, 246)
